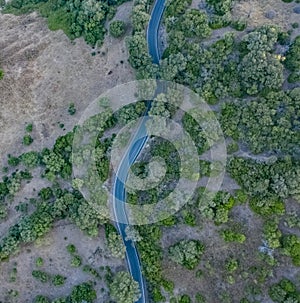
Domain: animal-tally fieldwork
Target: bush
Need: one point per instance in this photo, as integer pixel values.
(72, 109)
(231, 236)
(39, 262)
(29, 127)
(1, 74)
(41, 299)
(83, 293)
(58, 280)
(30, 159)
(186, 253)
(117, 28)
(41, 276)
(27, 140)
(76, 261)
(13, 161)
(71, 248)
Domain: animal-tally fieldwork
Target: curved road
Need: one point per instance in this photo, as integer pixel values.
(135, 147)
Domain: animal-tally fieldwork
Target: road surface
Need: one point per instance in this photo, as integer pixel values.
(135, 147)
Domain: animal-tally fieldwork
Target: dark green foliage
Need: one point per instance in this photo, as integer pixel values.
(83, 292)
(13, 161)
(216, 207)
(41, 299)
(150, 252)
(30, 159)
(268, 123)
(138, 52)
(239, 25)
(22, 207)
(76, 261)
(232, 236)
(177, 7)
(124, 289)
(232, 147)
(272, 233)
(267, 181)
(283, 38)
(29, 127)
(284, 291)
(195, 131)
(27, 140)
(72, 109)
(3, 211)
(91, 271)
(71, 248)
(194, 24)
(1, 74)
(221, 7)
(41, 276)
(39, 262)
(266, 206)
(58, 280)
(186, 253)
(292, 61)
(231, 265)
(3, 191)
(46, 193)
(200, 298)
(114, 242)
(291, 247)
(117, 28)
(184, 299)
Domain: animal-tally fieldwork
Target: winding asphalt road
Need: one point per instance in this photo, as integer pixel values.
(137, 143)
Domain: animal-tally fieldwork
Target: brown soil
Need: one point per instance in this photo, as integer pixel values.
(44, 73)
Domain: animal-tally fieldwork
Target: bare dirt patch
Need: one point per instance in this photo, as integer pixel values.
(45, 72)
(258, 12)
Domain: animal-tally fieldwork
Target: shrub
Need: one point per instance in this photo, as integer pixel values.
(76, 261)
(72, 109)
(41, 276)
(117, 28)
(186, 253)
(27, 140)
(29, 127)
(58, 280)
(39, 262)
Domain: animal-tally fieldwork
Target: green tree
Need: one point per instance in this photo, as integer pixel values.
(83, 293)
(41, 299)
(194, 24)
(114, 242)
(261, 70)
(27, 140)
(41, 276)
(123, 289)
(117, 28)
(58, 280)
(30, 159)
(186, 253)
